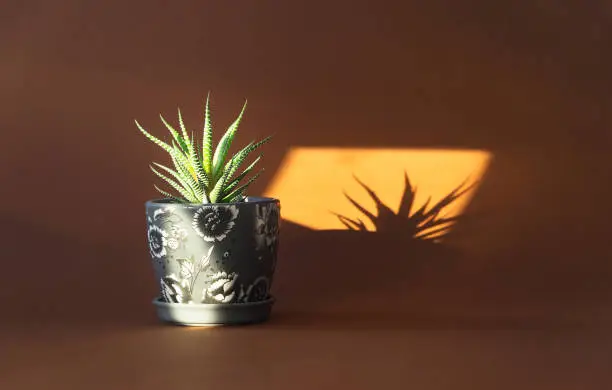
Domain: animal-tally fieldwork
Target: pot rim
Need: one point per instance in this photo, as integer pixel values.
(250, 200)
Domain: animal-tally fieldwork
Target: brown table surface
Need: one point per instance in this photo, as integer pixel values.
(309, 350)
(442, 322)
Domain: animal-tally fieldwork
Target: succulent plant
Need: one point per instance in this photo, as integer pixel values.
(421, 224)
(201, 175)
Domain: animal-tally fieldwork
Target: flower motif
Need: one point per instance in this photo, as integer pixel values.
(176, 236)
(266, 226)
(157, 241)
(178, 232)
(174, 290)
(258, 291)
(222, 289)
(172, 243)
(161, 211)
(213, 223)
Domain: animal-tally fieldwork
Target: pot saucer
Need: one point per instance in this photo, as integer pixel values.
(205, 314)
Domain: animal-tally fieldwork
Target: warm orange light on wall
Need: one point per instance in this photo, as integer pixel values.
(311, 181)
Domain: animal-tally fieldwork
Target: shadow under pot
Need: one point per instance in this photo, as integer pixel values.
(214, 262)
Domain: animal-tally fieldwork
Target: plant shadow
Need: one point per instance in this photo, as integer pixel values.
(424, 224)
(402, 266)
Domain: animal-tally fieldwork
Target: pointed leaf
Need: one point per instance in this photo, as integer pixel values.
(155, 140)
(197, 166)
(184, 192)
(239, 157)
(224, 146)
(238, 178)
(243, 187)
(168, 195)
(207, 149)
(218, 189)
(183, 128)
(177, 137)
(238, 198)
(185, 180)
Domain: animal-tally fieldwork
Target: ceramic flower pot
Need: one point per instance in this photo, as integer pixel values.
(214, 262)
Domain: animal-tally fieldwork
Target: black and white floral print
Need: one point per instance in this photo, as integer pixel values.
(266, 226)
(175, 290)
(258, 291)
(222, 289)
(164, 213)
(190, 269)
(157, 241)
(214, 223)
(169, 222)
(187, 269)
(176, 237)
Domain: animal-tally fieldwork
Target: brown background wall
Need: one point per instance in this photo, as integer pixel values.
(529, 81)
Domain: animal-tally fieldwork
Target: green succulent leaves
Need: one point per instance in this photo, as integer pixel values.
(204, 175)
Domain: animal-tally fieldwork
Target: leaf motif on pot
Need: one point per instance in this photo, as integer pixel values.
(205, 260)
(174, 290)
(187, 268)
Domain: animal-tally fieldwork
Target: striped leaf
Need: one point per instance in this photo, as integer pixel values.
(182, 180)
(183, 128)
(168, 195)
(207, 148)
(239, 157)
(185, 179)
(194, 160)
(224, 146)
(155, 140)
(238, 198)
(218, 189)
(242, 188)
(203, 173)
(232, 184)
(184, 192)
(175, 134)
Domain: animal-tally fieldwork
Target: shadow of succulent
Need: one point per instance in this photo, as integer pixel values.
(423, 224)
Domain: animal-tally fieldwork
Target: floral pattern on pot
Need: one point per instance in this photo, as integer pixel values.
(258, 291)
(164, 212)
(214, 253)
(266, 226)
(157, 241)
(222, 289)
(175, 290)
(176, 237)
(214, 223)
